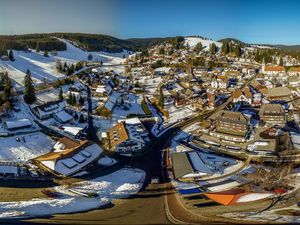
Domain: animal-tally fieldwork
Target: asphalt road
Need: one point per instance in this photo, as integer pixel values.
(146, 207)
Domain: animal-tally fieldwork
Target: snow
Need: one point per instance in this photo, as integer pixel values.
(41, 68)
(72, 130)
(8, 169)
(198, 164)
(119, 184)
(224, 187)
(106, 161)
(69, 166)
(253, 197)
(44, 68)
(30, 146)
(63, 116)
(193, 41)
(74, 54)
(18, 123)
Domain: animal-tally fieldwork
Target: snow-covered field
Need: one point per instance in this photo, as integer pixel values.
(133, 102)
(193, 41)
(41, 68)
(119, 184)
(44, 68)
(29, 146)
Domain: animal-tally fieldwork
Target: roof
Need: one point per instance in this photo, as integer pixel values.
(198, 163)
(271, 109)
(66, 143)
(117, 134)
(18, 123)
(274, 68)
(236, 196)
(181, 164)
(72, 130)
(64, 153)
(246, 92)
(232, 117)
(278, 92)
(63, 116)
(74, 162)
(294, 69)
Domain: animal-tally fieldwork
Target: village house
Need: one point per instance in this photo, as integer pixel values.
(244, 95)
(68, 157)
(295, 71)
(46, 110)
(273, 70)
(220, 82)
(293, 80)
(272, 114)
(279, 94)
(232, 126)
(127, 137)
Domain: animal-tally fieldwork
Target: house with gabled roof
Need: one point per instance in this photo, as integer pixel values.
(244, 95)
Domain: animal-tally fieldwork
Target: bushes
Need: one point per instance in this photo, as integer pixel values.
(103, 111)
(145, 108)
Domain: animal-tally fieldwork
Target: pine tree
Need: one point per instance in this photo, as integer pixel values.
(59, 66)
(70, 99)
(29, 91)
(81, 100)
(213, 48)
(78, 66)
(11, 55)
(61, 96)
(81, 119)
(37, 49)
(74, 100)
(90, 57)
(225, 47)
(281, 61)
(46, 54)
(198, 47)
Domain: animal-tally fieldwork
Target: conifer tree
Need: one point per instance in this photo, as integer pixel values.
(213, 48)
(29, 91)
(61, 96)
(46, 54)
(11, 55)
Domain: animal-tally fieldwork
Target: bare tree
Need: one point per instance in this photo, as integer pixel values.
(279, 176)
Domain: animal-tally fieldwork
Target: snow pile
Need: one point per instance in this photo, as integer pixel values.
(118, 184)
(29, 146)
(253, 197)
(106, 161)
(193, 41)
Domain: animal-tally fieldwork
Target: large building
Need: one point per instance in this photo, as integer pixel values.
(128, 136)
(272, 114)
(231, 126)
(69, 157)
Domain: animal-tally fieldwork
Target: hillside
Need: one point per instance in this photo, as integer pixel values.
(193, 41)
(88, 42)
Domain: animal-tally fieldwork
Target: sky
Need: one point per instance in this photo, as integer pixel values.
(252, 21)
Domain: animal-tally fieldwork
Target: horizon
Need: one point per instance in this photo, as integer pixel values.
(247, 21)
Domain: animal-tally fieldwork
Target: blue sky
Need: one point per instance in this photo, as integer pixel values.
(256, 21)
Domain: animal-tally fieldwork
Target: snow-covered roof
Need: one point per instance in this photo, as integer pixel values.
(63, 116)
(72, 165)
(72, 130)
(198, 163)
(18, 123)
(8, 169)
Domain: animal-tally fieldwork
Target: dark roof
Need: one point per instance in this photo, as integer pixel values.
(181, 164)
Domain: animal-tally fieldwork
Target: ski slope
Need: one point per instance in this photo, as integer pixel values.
(193, 41)
(44, 68)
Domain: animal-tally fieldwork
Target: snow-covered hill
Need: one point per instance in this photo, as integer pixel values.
(193, 41)
(44, 68)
